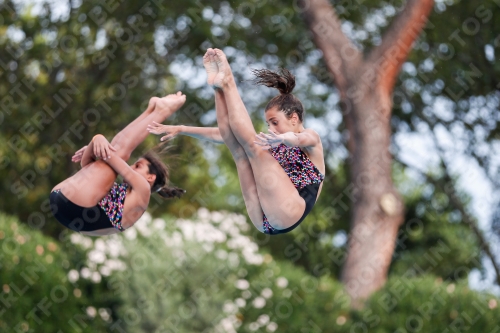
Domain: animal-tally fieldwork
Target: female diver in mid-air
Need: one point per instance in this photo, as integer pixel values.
(279, 186)
(91, 202)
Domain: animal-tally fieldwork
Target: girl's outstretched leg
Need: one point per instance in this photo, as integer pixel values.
(245, 173)
(239, 120)
(136, 132)
(279, 199)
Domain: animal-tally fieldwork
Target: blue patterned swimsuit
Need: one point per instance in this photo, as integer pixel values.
(304, 175)
(113, 203)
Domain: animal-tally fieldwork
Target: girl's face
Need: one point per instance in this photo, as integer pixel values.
(142, 168)
(278, 122)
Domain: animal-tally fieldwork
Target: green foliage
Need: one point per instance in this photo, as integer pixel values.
(37, 295)
(427, 304)
(450, 82)
(205, 275)
(432, 239)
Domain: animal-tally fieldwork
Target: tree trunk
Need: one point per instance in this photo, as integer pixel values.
(377, 209)
(365, 86)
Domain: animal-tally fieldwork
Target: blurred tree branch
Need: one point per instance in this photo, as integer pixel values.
(397, 41)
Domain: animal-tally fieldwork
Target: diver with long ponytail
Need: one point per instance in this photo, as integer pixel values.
(280, 173)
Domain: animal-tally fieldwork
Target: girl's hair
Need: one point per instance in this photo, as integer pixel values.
(158, 168)
(284, 81)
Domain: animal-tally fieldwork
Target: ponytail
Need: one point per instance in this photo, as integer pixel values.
(158, 168)
(284, 81)
(170, 192)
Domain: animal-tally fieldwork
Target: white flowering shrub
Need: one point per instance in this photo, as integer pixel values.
(206, 275)
(198, 275)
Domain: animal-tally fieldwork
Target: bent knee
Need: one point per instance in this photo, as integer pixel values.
(253, 150)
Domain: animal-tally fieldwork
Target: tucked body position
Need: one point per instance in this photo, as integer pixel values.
(91, 202)
(280, 173)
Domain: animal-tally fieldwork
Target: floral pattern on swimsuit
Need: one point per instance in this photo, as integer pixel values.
(299, 168)
(113, 202)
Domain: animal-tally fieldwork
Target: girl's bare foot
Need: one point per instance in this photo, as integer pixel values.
(210, 67)
(224, 76)
(169, 104)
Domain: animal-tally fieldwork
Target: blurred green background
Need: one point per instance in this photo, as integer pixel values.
(70, 70)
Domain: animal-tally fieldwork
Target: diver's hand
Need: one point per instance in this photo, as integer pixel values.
(268, 141)
(171, 130)
(102, 148)
(77, 157)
